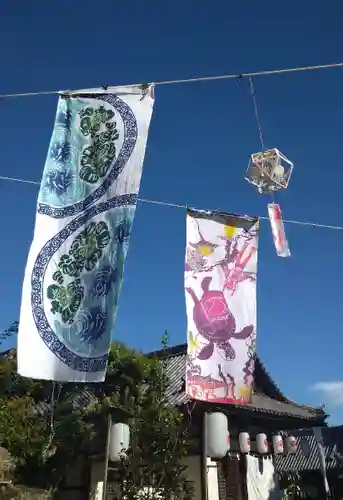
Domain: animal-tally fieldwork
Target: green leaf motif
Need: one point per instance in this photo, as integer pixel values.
(66, 300)
(91, 119)
(58, 276)
(85, 252)
(87, 247)
(69, 266)
(97, 158)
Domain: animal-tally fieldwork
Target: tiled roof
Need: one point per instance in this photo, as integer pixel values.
(175, 365)
(306, 457)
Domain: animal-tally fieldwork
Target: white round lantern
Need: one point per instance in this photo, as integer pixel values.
(262, 443)
(216, 435)
(291, 444)
(244, 442)
(278, 444)
(119, 441)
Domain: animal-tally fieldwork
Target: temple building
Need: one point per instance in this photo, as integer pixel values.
(228, 479)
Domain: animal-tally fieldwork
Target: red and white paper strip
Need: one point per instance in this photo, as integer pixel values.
(278, 230)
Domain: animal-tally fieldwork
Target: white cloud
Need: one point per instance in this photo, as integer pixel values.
(333, 391)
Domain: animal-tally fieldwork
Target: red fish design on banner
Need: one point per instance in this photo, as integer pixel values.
(236, 274)
(220, 285)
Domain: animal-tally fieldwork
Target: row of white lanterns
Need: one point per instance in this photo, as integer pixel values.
(217, 429)
(262, 446)
(218, 439)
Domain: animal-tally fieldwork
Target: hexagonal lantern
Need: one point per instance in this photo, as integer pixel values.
(269, 171)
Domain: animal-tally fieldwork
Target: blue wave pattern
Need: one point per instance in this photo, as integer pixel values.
(77, 275)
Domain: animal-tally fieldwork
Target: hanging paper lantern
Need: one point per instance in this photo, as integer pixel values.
(119, 441)
(228, 441)
(278, 444)
(262, 443)
(269, 171)
(244, 442)
(291, 444)
(216, 432)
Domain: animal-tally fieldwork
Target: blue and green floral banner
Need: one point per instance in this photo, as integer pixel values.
(85, 212)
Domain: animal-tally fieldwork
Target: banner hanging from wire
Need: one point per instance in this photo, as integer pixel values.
(85, 211)
(220, 288)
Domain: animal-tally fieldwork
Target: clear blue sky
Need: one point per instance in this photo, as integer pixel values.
(200, 139)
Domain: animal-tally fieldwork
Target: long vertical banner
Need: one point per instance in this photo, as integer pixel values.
(220, 289)
(85, 212)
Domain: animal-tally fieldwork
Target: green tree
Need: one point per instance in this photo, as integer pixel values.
(159, 444)
(292, 486)
(43, 443)
(42, 437)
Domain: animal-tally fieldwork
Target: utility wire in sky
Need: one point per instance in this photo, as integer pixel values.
(189, 80)
(176, 205)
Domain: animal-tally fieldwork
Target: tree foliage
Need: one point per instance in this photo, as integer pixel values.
(292, 486)
(44, 437)
(9, 332)
(159, 432)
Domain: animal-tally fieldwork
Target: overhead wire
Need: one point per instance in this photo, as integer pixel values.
(258, 123)
(257, 116)
(190, 80)
(185, 206)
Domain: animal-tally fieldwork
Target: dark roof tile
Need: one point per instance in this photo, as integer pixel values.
(306, 457)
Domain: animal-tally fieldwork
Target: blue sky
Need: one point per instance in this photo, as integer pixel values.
(200, 139)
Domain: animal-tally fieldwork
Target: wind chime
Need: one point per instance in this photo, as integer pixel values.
(269, 171)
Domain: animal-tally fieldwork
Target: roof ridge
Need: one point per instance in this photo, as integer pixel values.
(168, 352)
(272, 381)
(317, 409)
(285, 399)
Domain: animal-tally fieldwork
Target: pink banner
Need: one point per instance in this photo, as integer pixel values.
(220, 289)
(278, 230)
